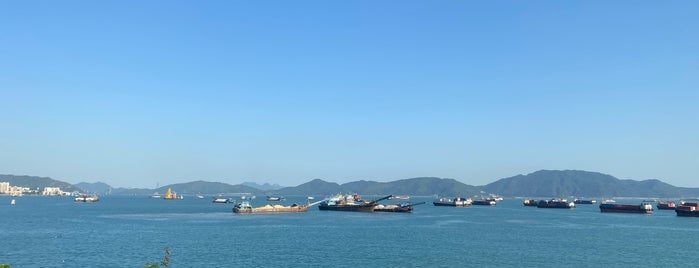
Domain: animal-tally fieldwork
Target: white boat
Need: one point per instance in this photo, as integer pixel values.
(200, 196)
(12, 203)
(87, 199)
(156, 195)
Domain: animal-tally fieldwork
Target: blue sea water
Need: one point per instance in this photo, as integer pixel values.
(131, 231)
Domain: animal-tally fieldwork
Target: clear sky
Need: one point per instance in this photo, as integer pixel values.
(139, 93)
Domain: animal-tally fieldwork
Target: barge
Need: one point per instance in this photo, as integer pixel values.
(688, 210)
(643, 208)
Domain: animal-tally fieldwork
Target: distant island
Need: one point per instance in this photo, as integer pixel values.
(542, 183)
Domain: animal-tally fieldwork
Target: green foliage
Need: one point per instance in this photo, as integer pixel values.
(5, 265)
(165, 263)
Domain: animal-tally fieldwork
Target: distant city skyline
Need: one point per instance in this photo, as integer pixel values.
(135, 94)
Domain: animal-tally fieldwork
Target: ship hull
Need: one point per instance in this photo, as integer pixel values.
(355, 208)
(271, 210)
(398, 209)
(616, 208)
(687, 213)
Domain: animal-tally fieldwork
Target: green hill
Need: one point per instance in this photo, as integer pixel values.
(34, 183)
(560, 183)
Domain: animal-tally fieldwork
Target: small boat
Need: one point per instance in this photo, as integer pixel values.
(586, 202)
(687, 210)
(310, 198)
(275, 198)
(245, 207)
(555, 203)
(221, 200)
(12, 203)
(87, 199)
(399, 197)
(156, 195)
(484, 202)
(452, 202)
(643, 208)
(530, 202)
(669, 205)
(200, 196)
(400, 207)
(345, 202)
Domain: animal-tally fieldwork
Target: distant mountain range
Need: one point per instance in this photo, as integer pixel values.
(561, 183)
(263, 187)
(543, 183)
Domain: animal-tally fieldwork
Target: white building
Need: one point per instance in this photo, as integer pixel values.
(4, 187)
(52, 191)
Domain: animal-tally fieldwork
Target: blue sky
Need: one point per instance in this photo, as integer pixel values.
(139, 93)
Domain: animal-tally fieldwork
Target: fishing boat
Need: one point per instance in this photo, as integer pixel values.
(400, 207)
(87, 199)
(530, 202)
(346, 202)
(688, 210)
(666, 205)
(643, 208)
(245, 207)
(452, 202)
(555, 203)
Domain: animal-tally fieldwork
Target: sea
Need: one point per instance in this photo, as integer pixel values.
(131, 231)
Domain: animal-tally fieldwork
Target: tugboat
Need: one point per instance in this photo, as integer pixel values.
(345, 202)
(449, 202)
(400, 207)
(555, 203)
(669, 205)
(688, 210)
(643, 208)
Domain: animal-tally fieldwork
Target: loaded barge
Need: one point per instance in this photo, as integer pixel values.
(344, 202)
(666, 205)
(555, 203)
(688, 210)
(455, 202)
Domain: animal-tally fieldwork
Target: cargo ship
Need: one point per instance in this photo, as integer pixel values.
(530, 202)
(555, 203)
(452, 202)
(400, 207)
(669, 205)
(584, 202)
(643, 208)
(345, 202)
(245, 207)
(688, 210)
